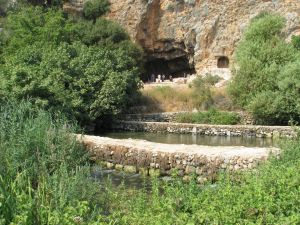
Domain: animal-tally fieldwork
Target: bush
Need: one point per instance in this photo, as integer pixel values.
(261, 57)
(210, 117)
(201, 92)
(93, 9)
(86, 70)
(296, 42)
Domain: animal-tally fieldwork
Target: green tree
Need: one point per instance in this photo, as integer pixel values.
(93, 9)
(261, 57)
(51, 60)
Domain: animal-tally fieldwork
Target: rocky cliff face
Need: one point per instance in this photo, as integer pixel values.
(195, 35)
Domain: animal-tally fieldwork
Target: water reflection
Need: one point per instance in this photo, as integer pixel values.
(117, 178)
(190, 139)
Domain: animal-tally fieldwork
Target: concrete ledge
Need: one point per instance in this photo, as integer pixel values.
(161, 159)
(203, 129)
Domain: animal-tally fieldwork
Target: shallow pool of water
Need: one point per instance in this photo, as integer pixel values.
(117, 178)
(192, 139)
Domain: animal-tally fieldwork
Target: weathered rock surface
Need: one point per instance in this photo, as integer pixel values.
(196, 30)
(201, 35)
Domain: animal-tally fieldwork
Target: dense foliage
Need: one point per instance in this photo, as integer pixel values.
(85, 69)
(93, 9)
(209, 117)
(44, 177)
(266, 81)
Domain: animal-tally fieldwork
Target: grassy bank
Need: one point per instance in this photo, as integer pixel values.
(268, 195)
(45, 179)
(209, 117)
(44, 175)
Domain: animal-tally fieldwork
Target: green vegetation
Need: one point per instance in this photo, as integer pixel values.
(87, 70)
(209, 117)
(200, 95)
(74, 68)
(45, 179)
(267, 79)
(268, 195)
(93, 9)
(44, 175)
(296, 42)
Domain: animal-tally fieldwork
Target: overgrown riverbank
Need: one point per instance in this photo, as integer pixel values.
(45, 179)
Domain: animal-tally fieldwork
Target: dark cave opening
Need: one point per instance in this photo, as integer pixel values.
(176, 67)
(223, 62)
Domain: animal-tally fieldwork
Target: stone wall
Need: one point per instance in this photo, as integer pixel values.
(202, 129)
(153, 117)
(154, 159)
(246, 119)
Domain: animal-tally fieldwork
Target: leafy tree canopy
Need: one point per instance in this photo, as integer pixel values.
(266, 68)
(86, 70)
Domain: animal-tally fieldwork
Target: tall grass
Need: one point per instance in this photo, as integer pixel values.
(200, 95)
(44, 177)
(267, 195)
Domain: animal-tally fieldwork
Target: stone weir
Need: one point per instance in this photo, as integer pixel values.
(205, 129)
(139, 156)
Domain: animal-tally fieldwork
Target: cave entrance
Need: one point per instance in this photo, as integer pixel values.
(223, 62)
(175, 67)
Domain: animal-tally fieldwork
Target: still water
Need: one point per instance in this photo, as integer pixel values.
(192, 139)
(116, 178)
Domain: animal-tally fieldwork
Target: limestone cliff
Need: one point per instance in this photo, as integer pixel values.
(200, 35)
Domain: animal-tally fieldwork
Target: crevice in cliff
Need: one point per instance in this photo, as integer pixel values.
(148, 27)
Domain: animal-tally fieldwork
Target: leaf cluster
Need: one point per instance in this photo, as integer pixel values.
(265, 64)
(88, 70)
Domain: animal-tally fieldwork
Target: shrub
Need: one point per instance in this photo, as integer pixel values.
(87, 73)
(210, 117)
(93, 9)
(296, 42)
(262, 56)
(201, 93)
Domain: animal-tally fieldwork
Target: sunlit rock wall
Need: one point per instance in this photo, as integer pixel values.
(200, 31)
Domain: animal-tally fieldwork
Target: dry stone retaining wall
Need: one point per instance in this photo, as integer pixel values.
(154, 159)
(202, 129)
(246, 119)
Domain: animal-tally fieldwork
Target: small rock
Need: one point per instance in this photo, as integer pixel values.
(110, 165)
(119, 167)
(186, 178)
(154, 172)
(199, 171)
(201, 180)
(144, 171)
(130, 169)
(190, 169)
